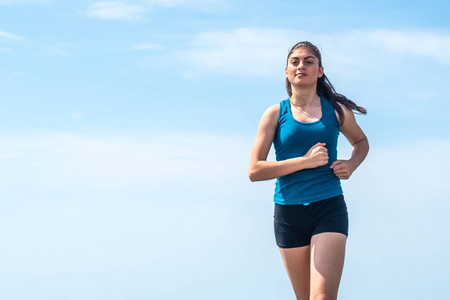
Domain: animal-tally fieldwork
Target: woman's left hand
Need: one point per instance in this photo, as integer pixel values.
(343, 169)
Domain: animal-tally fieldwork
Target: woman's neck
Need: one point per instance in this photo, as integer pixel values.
(304, 97)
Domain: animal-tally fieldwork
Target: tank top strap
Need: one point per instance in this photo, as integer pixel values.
(284, 111)
(328, 111)
(284, 107)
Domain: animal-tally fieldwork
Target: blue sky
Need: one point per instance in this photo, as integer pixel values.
(126, 128)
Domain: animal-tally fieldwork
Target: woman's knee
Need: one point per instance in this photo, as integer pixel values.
(322, 296)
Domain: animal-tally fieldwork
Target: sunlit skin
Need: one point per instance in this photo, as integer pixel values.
(314, 270)
(303, 70)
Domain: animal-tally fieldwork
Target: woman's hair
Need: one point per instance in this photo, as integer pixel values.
(324, 86)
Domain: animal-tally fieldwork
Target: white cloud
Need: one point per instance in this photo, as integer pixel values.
(421, 43)
(12, 2)
(119, 10)
(9, 36)
(259, 51)
(200, 4)
(168, 3)
(115, 11)
(47, 49)
(245, 51)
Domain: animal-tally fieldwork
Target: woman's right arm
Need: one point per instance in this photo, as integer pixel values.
(261, 169)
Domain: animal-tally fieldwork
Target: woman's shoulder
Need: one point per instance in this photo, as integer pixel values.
(270, 116)
(347, 112)
(274, 109)
(344, 108)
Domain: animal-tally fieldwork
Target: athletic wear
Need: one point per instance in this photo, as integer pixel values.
(294, 139)
(295, 224)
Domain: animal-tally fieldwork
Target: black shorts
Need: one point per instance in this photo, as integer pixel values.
(296, 224)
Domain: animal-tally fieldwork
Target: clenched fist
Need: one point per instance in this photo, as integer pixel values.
(342, 169)
(317, 156)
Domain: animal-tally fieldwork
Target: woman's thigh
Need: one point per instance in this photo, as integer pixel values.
(297, 263)
(327, 262)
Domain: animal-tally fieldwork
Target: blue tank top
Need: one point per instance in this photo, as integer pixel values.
(294, 139)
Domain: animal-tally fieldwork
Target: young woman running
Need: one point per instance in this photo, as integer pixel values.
(310, 218)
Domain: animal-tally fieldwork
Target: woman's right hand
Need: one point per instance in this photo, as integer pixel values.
(317, 156)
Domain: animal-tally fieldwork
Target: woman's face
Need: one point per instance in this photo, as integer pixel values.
(303, 68)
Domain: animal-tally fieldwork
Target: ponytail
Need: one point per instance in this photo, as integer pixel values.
(326, 89)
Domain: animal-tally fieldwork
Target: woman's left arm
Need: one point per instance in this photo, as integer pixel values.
(354, 134)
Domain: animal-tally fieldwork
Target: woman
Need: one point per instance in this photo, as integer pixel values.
(310, 219)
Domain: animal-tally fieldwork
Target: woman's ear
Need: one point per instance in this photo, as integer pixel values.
(320, 72)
